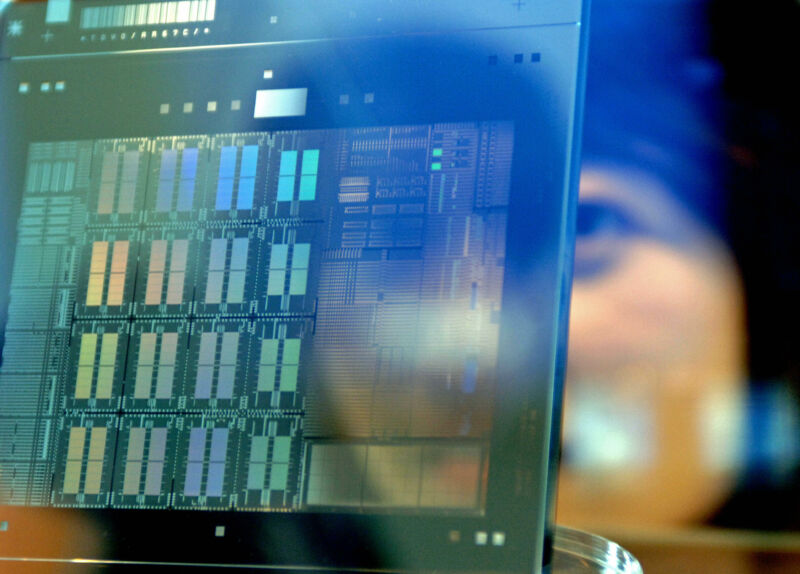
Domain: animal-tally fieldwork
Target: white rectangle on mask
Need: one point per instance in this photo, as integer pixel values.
(281, 103)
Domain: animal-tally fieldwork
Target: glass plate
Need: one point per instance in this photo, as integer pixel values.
(579, 552)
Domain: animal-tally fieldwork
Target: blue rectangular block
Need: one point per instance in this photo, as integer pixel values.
(224, 194)
(245, 198)
(227, 162)
(288, 162)
(249, 161)
(189, 163)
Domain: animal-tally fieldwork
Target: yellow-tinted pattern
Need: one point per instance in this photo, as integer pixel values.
(83, 385)
(105, 368)
(177, 271)
(116, 281)
(155, 276)
(146, 366)
(97, 273)
(97, 270)
(105, 373)
(133, 468)
(72, 473)
(94, 467)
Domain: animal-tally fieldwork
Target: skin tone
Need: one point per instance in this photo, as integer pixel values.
(656, 362)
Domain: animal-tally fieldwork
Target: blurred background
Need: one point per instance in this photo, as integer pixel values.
(682, 417)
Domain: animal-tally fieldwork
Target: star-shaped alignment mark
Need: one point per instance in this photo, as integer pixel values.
(15, 28)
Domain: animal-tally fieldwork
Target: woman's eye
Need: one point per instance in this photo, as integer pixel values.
(601, 230)
(602, 220)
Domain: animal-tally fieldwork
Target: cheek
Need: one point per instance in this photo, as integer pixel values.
(660, 306)
(654, 343)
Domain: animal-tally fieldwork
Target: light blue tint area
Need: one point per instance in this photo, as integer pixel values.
(277, 269)
(216, 475)
(158, 444)
(288, 162)
(289, 378)
(236, 287)
(224, 194)
(58, 11)
(276, 281)
(298, 282)
(227, 373)
(269, 351)
(219, 247)
(197, 444)
(194, 476)
(470, 375)
(286, 188)
(308, 187)
(227, 162)
(278, 476)
(239, 253)
(258, 450)
(219, 445)
(230, 347)
(155, 472)
(291, 352)
(208, 348)
(249, 161)
(169, 161)
(281, 449)
(164, 197)
(246, 189)
(185, 195)
(189, 164)
(205, 375)
(255, 476)
(279, 256)
(310, 162)
(300, 255)
(266, 378)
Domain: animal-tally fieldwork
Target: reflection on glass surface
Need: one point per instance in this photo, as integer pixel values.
(656, 378)
(272, 280)
(233, 275)
(656, 365)
(577, 552)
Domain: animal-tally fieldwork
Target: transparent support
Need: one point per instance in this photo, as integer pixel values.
(579, 552)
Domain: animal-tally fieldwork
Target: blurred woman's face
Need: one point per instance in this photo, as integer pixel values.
(656, 364)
